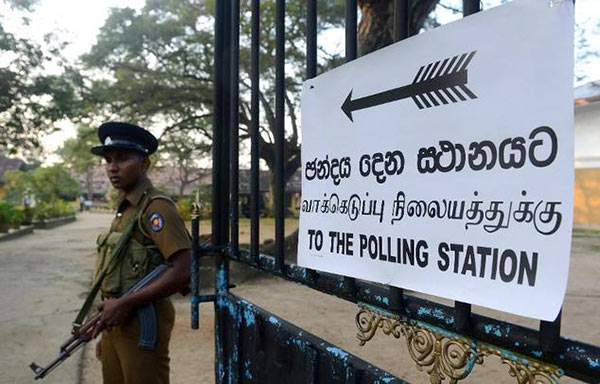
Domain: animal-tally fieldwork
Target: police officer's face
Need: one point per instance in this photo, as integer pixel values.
(125, 168)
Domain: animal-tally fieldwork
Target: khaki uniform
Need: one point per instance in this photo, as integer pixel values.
(159, 233)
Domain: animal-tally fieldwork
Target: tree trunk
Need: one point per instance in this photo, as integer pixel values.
(89, 183)
(292, 162)
(182, 186)
(270, 204)
(376, 28)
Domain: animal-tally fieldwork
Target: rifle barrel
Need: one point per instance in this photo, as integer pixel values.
(40, 372)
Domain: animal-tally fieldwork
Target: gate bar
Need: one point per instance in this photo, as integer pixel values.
(400, 33)
(400, 20)
(462, 311)
(234, 127)
(349, 283)
(311, 39)
(311, 56)
(462, 317)
(311, 362)
(550, 334)
(217, 122)
(254, 132)
(195, 275)
(280, 134)
(220, 181)
(220, 175)
(470, 7)
(351, 25)
(234, 364)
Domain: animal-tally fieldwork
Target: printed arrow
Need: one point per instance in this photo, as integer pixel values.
(450, 78)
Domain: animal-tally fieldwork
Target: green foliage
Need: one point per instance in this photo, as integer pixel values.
(44, 183)
(6, 212)
(53, 182)
(76, 154)
(17, 218)
(49, 186)
(76, 151)
(29, 101)
(184, 205)
(16, 187)
(160, 66)
(10, 216)
(53, 209)
(21, 4)
(160, 61)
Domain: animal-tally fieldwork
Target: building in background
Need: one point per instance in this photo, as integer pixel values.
(167, 178)
(587, 154)
(171, 180)
(99, 182)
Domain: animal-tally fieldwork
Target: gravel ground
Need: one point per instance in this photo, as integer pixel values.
(44, 278)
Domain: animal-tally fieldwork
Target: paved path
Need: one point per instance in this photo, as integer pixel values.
(43, 279)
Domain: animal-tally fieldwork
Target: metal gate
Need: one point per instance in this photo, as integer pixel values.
(254, 346)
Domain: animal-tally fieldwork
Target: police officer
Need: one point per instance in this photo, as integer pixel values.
(154, 233)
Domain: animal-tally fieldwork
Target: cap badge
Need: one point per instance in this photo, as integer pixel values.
(108, 141)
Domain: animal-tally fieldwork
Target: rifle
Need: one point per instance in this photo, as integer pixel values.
(82, 335)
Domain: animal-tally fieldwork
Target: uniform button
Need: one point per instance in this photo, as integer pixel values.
(119, 214)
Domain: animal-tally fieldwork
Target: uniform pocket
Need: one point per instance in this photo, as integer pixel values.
(110, 285)
(134, 265)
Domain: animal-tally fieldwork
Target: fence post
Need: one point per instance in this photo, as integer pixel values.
(254, 133)
(280, 135)
(401, 17)
(220, 176)
(351, 53)
(234, 145)
(550, 334)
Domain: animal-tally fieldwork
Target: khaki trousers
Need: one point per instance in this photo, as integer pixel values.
(123, 362)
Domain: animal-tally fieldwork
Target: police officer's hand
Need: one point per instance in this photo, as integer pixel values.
(114, 312)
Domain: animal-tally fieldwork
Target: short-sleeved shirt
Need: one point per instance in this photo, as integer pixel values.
(161, 223)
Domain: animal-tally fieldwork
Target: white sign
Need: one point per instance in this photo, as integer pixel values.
(444, 163)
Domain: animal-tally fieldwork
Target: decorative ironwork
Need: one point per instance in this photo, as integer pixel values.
(533, 372)
(196, 206)
(445, 355)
